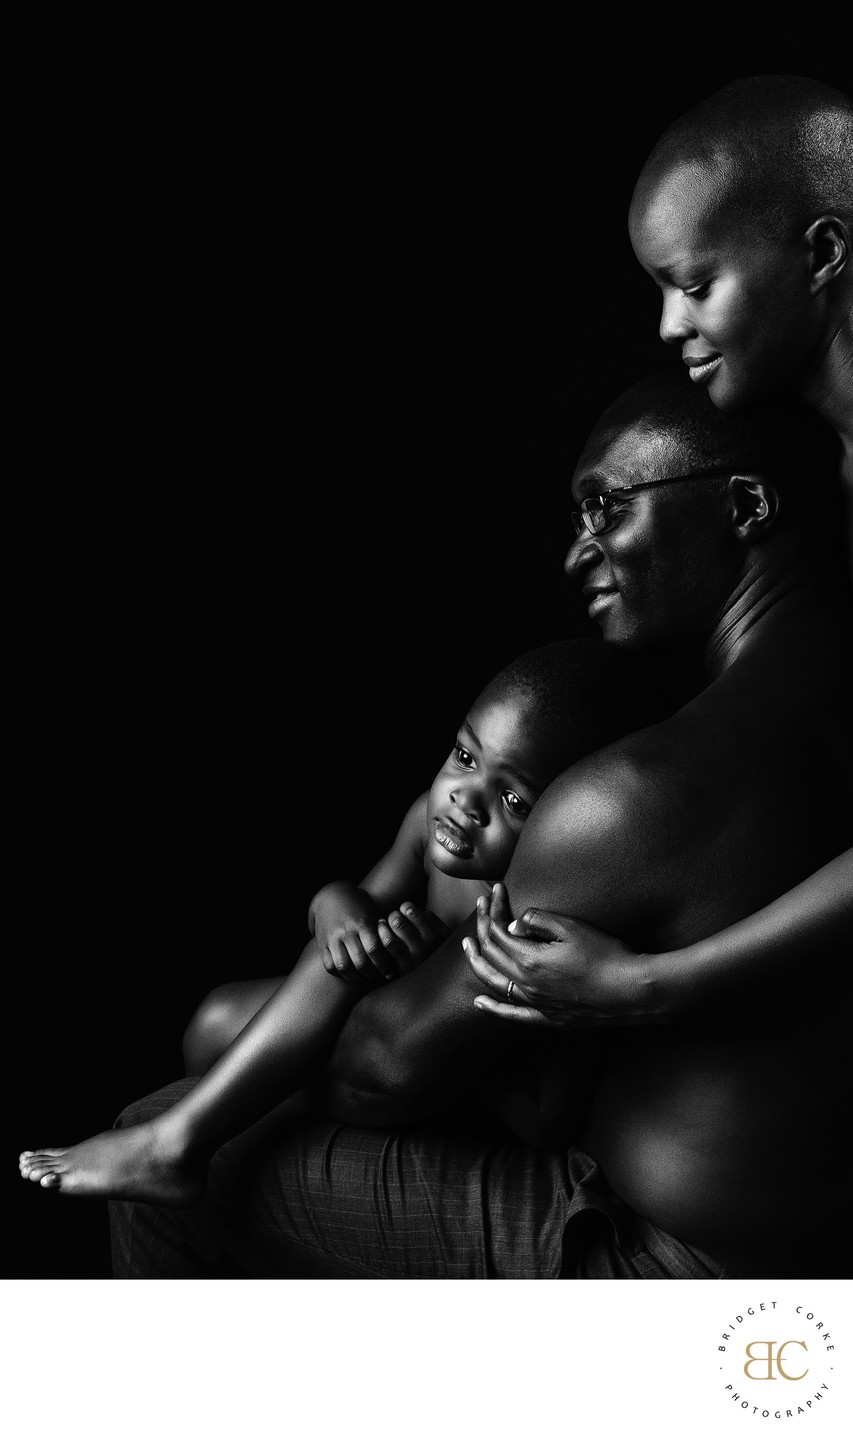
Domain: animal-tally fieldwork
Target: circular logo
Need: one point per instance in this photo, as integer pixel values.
(776, 1361)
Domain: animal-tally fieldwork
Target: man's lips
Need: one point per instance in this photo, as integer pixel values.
(597, 597)
(702, 366)
(452, 837)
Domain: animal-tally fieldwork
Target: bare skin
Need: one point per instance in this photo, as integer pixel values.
(220, 1016)
(769, 323)
(166, 1161)
(466, 825)
(134, 1162)
(666, 838)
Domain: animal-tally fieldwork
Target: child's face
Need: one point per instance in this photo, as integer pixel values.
(480, 799)
(738, 303)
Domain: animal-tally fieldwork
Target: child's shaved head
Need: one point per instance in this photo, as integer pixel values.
(774, 149)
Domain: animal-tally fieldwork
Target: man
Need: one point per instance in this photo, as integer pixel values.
(696, 533)
(743, 216)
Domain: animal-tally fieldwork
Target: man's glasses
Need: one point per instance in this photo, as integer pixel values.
(595, 516)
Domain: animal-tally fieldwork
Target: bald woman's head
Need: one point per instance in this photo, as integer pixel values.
(776, 150)
(743, 215)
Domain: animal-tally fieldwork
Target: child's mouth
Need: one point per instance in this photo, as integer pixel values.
(452, 838)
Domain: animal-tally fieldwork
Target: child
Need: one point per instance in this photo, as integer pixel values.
(542, 712)
(743, 215)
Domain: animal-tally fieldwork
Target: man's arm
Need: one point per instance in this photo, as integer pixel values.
(406, 1045)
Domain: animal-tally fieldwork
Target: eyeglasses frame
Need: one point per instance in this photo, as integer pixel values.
(578, 517)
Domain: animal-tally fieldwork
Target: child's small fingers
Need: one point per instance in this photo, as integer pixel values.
(381, 956)
(417, 917)
(371, 945)
(340, 958)
(401, 926)
(358, 957)
(388, 939)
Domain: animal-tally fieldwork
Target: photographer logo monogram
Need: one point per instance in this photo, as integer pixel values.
(777, 1361)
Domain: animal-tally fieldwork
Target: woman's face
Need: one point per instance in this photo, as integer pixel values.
(738, 302)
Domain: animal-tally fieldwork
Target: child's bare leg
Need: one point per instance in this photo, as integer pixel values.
(165, 1161)
(219, 1017)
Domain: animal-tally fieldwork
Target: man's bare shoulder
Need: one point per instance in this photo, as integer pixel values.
(622, 811)
(637, 777)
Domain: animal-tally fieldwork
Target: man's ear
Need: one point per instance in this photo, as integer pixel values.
(754, 507)
(828, 240)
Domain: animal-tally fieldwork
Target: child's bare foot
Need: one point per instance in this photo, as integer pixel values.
(122, 1163)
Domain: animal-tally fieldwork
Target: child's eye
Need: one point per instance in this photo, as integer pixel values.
(516, 806)
(463, 756)
(699, 291)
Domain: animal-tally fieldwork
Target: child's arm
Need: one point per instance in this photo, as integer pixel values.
(375, 922)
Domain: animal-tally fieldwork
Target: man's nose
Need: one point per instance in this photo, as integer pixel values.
(675, 323)
(585, 551)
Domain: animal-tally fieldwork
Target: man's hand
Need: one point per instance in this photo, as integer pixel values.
(557, 972)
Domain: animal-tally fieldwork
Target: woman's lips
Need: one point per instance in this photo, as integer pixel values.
(452, 838)
(701, 370)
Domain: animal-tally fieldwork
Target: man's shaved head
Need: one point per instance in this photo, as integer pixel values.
(678, 430)
(782, 440)
(690, 504)
(775, 149)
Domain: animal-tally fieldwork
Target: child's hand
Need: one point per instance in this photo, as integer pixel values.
(409, 935)
(357, 947)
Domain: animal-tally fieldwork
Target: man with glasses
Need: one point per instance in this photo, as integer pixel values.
(696, 534)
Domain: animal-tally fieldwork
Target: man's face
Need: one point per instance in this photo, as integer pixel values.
(738, 302)
(661, 571)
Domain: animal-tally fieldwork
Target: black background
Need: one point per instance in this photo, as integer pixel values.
(310, 318)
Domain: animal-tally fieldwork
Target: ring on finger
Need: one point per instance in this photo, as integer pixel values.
(510, 989)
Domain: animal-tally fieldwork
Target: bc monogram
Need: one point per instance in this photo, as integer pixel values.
(769, 1359)
(801, 1367)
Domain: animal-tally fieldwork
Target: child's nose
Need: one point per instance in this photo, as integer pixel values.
(468, 797)
(674, 322)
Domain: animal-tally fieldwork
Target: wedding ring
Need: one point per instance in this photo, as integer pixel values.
(509, 987)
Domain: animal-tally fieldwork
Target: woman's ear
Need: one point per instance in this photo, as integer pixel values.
(754, 507)
(828, 239)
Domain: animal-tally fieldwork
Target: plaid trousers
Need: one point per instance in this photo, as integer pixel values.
(298, 1195)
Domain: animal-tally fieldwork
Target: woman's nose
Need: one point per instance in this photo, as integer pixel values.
(675, 324)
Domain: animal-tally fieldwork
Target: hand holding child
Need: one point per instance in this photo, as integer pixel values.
(549, 970)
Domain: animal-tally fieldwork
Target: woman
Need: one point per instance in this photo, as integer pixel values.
(722, 264)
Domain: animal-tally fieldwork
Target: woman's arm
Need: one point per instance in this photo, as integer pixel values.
(569, 974)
